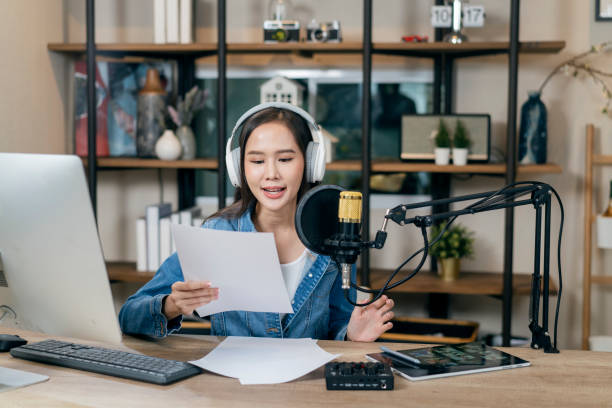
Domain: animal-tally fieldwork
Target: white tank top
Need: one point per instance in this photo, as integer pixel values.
(293, 273)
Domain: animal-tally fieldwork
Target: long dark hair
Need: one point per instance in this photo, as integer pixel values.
(243, 197)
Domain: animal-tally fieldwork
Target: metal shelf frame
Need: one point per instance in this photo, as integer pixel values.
(443, 79)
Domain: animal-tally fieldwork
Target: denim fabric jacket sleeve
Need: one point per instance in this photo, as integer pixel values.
(320, 310)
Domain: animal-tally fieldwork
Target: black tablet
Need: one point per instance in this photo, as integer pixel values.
(448, 360)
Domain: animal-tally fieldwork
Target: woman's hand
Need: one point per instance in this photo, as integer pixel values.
(188, 296)
(369, 322)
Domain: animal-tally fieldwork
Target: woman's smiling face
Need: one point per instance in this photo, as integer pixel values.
(273, 166)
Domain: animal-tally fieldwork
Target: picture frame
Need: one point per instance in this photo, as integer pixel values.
(417, 130)
(603, 10)
(118, 82)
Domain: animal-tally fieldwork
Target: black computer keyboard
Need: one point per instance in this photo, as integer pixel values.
(106, 361)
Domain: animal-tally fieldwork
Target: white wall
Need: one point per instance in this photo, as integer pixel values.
(37, 80)
(33, 98)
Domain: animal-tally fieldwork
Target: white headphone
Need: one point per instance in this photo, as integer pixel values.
(315, 151)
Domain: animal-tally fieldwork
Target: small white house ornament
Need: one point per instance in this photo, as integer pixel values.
(281, 89)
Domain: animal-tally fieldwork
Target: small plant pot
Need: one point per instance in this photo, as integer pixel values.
(442, 155)
(460, 156)
(448, 269)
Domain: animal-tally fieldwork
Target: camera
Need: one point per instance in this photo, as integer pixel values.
(281, 31)
(324, 32)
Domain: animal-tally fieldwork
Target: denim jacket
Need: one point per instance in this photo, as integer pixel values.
(320, 309)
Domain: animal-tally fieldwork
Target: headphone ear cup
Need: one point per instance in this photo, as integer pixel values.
(310, 161)
(233, 167)
(315, 162)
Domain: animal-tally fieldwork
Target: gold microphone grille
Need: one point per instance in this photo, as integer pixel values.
(349, 206)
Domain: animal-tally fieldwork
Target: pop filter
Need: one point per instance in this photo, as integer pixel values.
(316, 217)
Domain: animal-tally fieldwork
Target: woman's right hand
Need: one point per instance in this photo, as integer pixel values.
(188, 296)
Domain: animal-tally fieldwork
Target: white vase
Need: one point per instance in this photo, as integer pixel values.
(168, 147)
(460, 156)
(187, 138)
(442, 155)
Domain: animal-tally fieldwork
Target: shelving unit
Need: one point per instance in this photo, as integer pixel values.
(443, 56)
(592, 161)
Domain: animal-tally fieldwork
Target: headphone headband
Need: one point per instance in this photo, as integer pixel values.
(315, 155)
(315, 130)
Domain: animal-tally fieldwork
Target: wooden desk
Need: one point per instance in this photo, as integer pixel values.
(572, 378)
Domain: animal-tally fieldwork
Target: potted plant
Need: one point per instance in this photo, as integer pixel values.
(182, 116)
(461, 144)
(442, 143)
(455, 243)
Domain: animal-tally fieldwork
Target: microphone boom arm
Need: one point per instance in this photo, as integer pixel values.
(540, 196)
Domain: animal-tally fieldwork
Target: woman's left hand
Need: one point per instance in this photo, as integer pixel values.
(369, 322)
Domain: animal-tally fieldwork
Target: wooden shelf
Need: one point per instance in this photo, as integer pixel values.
(466, 49)
(398, 48)
(393, 166)
(137, 48)
(602, 280)
(468, 283)
(351, 47)
(602, 159)
(380, 166)
(126, 272)
(136, 163)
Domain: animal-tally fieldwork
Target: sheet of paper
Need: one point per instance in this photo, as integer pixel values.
(243, 265)
(10, 378)
(263, 360)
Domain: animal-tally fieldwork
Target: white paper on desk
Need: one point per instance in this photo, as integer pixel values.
(243, 265)
(264, 360)
(10, 378)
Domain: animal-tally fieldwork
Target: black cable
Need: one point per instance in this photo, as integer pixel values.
(380, 292)
(425, 249)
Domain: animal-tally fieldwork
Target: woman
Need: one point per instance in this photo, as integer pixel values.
(275, 169)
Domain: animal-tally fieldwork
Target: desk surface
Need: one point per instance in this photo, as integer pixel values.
(572, 378)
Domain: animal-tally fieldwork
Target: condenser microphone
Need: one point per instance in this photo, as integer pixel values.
(349, 231)
(328, 222)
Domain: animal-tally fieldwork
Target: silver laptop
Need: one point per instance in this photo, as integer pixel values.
(52, 262)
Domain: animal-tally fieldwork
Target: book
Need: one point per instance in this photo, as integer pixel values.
(186, 21)
(141, 244)
(187, 215)
(172, 21)
(448, 360)
(165, 242)
(159, 21)
(174, 220)
(153, 214)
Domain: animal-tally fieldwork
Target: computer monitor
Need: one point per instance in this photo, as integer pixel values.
(50, 250)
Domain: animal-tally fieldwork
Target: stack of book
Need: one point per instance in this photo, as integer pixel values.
(173, 21)
(154, 242)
